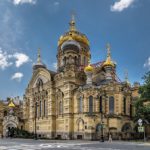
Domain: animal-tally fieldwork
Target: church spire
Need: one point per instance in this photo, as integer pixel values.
(126, 77)
(39, 56)
(72, 23)
(39, 63)
(108, 52)
(108, 61)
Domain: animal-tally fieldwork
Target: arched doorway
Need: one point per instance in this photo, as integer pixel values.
(126, 131)
(80, 130)
(98, 131)
(9, 124)
(9, 131)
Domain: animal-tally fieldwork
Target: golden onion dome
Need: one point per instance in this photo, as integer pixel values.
(108, 61)
(88, 68)
(73, 34)
(11, 104)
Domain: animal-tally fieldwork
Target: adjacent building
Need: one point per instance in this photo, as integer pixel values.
(11, 116)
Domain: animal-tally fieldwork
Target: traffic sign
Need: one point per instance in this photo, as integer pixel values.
(140, 122)
(141, 129)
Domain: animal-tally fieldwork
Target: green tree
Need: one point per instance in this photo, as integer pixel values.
(144, 90)
(142, 110)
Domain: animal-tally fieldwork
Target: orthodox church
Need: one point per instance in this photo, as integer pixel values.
(80, 100)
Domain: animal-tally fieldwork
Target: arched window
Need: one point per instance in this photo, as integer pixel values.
(126, 127)
(124, 105)
(44, 112)
(100, 104)
(39, 82)
(81, 125)
(80, 104)
(60, 108)
(70, 59)
(84, 60)
(5, 113)
(111, 105)
(90, 104)
(130, 110)
(76, 60)
(64, 61)
(36, 109)
(79, 60)
(40, 108)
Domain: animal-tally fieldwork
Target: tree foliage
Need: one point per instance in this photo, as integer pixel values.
(144, 90)
(143, 109)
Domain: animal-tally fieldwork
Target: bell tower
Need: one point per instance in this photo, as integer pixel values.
(73, 49)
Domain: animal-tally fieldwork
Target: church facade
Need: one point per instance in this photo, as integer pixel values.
(80, 100)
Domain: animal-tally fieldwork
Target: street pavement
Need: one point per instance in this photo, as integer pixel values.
(30, 144)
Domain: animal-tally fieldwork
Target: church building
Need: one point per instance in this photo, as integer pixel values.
(80, 100)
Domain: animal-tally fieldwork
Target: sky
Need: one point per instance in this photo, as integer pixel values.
(26, 25)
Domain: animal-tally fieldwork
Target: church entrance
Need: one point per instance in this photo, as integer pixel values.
(9, 124)
(79, 137)
(10, 130)
(98, 132)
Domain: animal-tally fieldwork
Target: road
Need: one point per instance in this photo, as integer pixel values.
(30, 144)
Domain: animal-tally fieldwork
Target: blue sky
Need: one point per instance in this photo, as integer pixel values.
(26, 25)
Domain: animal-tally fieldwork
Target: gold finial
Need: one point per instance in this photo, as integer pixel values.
(72, 22)
(126, 75)
(39, 56)
(108, 61)
(108, 50)
(89, 61)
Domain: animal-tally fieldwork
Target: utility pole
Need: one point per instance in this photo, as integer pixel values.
(35, 116)
(102, 123)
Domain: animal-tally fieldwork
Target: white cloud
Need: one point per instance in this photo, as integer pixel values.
(4, 60)
(147, 64)
(56, 3)
(21, 59)
(17, 76)
(55, 65)
(17, 2)
(11, 26)
(121, 5)
(7, 60)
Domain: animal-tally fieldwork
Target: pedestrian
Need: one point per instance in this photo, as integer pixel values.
(110, 138)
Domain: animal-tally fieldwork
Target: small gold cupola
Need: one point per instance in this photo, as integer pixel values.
(108, 61)
(11, 104)
(88, 68)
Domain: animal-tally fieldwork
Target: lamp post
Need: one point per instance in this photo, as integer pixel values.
(102, 131)
(35, 117)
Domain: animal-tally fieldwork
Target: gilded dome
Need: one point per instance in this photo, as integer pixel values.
(88, 68)
(11, 104)
(108, 62)
(73, 34)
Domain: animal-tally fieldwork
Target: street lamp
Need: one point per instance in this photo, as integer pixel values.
(35, 117)
(101, 111)
(102, 131)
